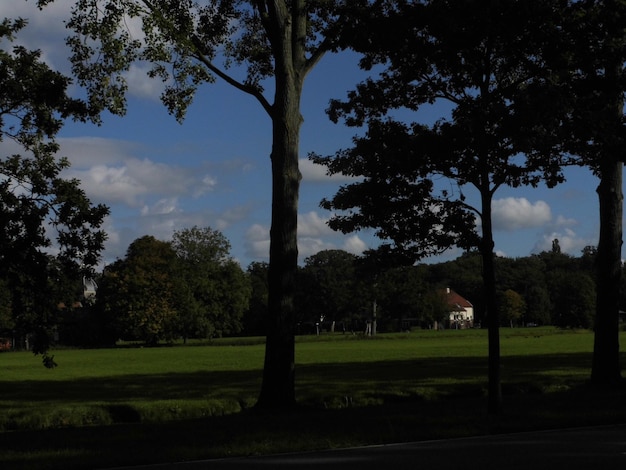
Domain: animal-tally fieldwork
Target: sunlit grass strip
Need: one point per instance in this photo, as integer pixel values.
(127, 385)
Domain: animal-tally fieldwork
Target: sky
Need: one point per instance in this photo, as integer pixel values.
(158, 176)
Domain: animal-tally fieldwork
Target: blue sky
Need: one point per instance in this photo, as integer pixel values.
(158, 176)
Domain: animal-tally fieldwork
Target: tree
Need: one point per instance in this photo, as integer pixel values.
(436, 308)
(403, 293)
(573, 298)
(190, 43)
(49, 230)
(142, 293)
(329, 287)
(597, 81)
(484, 60)
(217, 289)
(588, 259)
(538, 305)
(7, 323)
(513, 306)
(255, 318)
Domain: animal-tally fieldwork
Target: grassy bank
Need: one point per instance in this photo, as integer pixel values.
(194, 401)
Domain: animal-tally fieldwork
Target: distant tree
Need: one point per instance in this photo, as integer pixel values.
(234, 299)
(513, 307)
(588, 260)
(41, 212)
(573, 298)
(216, 289)
(436, 308)
(371, 268)
(202, 247)
(484, 60)
(404, 293)
(191, 43)
(538, 305)
(7, 323)
(330, 287)
(622, 291)
(553, 261)
(141, 293)
(527, 276)
(568, 287)
(255, 318)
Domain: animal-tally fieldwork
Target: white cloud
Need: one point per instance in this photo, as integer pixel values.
(309, 246)
(312, 225)
(511, 214)
(131, 183)
(312, 172)
(354, 245)
(569, 242)
(258, 242)
(111, 173)
(162, 207)
(565, 222)
(207, 184)
(110, 184)
(314, 236)
(139, 84)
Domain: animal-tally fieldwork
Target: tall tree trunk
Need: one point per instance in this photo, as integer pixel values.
(278, 387)
(494, 398)
(605, 368)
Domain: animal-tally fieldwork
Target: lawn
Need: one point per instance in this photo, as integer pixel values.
(196, 401)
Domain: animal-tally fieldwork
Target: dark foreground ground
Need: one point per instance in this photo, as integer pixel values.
(594, 448)
(438, 425)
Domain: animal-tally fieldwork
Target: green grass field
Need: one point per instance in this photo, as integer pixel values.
(195, 401)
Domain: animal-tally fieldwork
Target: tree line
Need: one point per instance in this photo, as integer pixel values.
(191, 288)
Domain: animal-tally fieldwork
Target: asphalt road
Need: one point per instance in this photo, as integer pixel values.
(595, 448)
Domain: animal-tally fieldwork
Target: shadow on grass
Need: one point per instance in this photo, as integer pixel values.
(136, 387)
(325, 379)
(258, 432)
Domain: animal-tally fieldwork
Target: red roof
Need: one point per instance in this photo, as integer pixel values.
(455, 301)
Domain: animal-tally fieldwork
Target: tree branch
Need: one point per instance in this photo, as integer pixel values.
(251, 90)
(197, 51)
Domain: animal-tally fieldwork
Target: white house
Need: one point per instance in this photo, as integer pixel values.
(461, 310)
(89, 289)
